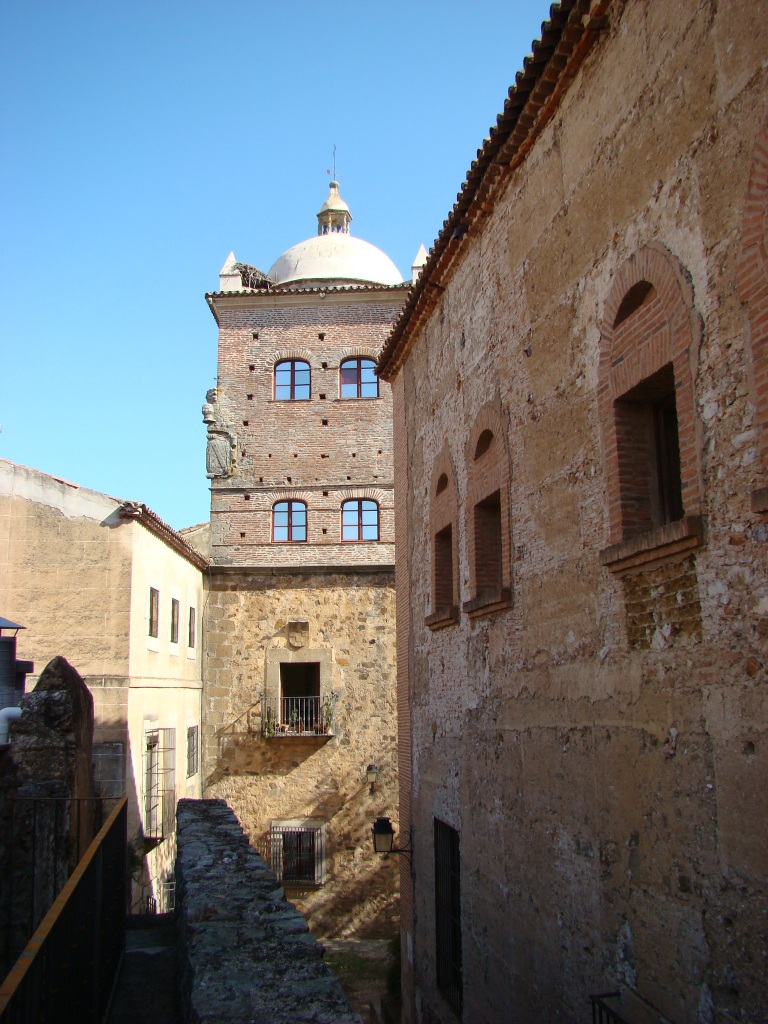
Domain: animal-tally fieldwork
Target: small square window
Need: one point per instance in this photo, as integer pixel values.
(297, 852)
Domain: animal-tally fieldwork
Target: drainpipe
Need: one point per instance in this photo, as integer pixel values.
(7, 715)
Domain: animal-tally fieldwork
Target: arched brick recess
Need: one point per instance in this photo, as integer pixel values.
(488, 474)
(357, 353)
(752, 279)
(656, 325)
(289, 353)
(443, 533)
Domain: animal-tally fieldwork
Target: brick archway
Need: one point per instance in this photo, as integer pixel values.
(649, 324)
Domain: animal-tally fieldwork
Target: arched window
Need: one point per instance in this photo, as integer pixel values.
(289, 521)
(358, 379)
(359, 520)
(292, 380)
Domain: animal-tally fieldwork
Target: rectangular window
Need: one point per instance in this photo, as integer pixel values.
(174, 621)
(109, 769)
(159, 783)
(649, 454)
(191, 635)
(488, 564)
(154, 612)
(448, 915)
(443, 568)
(298, 852)
(193, 747)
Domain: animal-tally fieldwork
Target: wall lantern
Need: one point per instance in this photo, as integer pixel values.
(383, 838)
(371, 775)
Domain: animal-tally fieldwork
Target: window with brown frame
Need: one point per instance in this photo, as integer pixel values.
(359, 520)
(289, 522)
(174, 621)
(357, 379)
(192, 632)
(154, 612)
(292, 381)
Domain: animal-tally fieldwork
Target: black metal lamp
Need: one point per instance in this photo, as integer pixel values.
(383, 838)
(371, 775)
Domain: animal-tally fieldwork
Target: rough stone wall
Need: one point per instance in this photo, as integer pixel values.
(351, 635)
(601, 746)
(245, 954)
(321, 451)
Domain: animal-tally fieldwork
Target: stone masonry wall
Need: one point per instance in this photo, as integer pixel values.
(245, 955)
(351, 636)
(601, 746)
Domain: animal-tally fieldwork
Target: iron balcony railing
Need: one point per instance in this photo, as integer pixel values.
(67, 971)
(602, 1013)
(298, 716)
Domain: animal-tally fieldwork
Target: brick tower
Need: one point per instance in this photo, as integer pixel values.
(300, 666)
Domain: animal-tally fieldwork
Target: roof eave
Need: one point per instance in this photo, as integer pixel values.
(565, 41)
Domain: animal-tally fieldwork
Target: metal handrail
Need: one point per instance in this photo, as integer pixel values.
(67, 970)
(602, 1013)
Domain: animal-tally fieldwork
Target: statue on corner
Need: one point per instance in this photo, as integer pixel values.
(222, 444)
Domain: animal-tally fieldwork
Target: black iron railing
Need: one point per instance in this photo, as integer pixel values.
(602, 1013)
(67, 971)
(45, 840)
(297, 716)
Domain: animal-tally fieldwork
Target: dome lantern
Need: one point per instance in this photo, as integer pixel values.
(334, 215)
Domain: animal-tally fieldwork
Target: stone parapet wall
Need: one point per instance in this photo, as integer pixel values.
(245, 953)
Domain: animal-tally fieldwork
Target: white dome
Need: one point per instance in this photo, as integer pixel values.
(335, 256)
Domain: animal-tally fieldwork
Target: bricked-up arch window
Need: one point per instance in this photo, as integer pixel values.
(292, 380)
(488, 528)
(646, 404)
(752, 281)
(443, 518)
(289, 522)
(357, 379)
(359, 520)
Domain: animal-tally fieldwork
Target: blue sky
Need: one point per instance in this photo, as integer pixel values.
(142, 142)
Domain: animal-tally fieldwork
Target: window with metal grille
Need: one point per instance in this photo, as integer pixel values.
(154, 612)
(174, 621)
(193, 747)
(297, 852)
(192, 633)
(159, 783)
(357, 379)
(289, 522)
(359, 520)
(292, 380)
(448, 915)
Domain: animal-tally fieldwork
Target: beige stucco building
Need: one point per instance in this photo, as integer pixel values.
(580, 385)
(120, 595)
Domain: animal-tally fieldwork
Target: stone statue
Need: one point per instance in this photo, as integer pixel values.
(222, 444)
